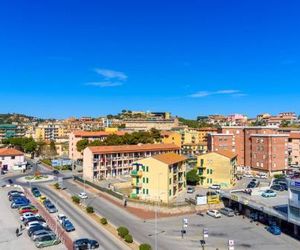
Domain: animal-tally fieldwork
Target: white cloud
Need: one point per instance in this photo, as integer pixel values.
(104, 84)
(205, 93)
(111, 74)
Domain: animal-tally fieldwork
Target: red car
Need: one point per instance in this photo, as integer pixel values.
(27, 209)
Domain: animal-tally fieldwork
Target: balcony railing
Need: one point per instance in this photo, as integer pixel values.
(136, 173)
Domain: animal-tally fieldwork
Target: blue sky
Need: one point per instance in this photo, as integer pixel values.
(64, 58)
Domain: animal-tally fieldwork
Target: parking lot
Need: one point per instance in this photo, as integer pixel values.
(10, 221)
(246, 235)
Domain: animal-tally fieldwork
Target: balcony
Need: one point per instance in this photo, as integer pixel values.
(201, 167)
(181, 181)
(133, 195)
(294, 203)
(135, 173)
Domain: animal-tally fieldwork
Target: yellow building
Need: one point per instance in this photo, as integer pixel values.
(217, 168)
(203, 133)
(189, 136)
(159, 178)
(110, 130)
(194, 149)
(171, 137)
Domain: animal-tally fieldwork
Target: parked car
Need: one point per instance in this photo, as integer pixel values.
(19, 203)
(214, 213)
(85, 244)
(82, 195)
(67, 225)
(60, 218)
(284, 185)
(40, 233)
(251, 185)
(190, 190)
(35, 228)
(28, 208)
(227, 211)
(10, 181)
(26, 215)
(261, 176)
(50, 207)
(277, 187)
(42, 198)
(12, 192)
(215, 186)
(269, 193)
(273, 229)
(248, 175)
(34, 223)
(55, 172)
(15, 196)
(46, 241)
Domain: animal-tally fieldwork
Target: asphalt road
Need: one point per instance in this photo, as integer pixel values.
(86, 227)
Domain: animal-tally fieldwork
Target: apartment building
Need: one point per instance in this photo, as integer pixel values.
(147, 124)
(159, 178)
(109, 161)
(217, 168)
(171, 137)
(12, 159)
(194, 149)
(11, 130)
(240, 140)
(294, 148)
(50, 132)
(76, 136)
(236, 119)
(269, 152)
(204, 132)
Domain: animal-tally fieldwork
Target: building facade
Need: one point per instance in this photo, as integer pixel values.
(148, 124)
(217, 168)
(194, 149)
(11, 130)
(294, 148)
(76, 136)
(12, 159)
(294, 202)
(171, 137)
(159, 178)
(108, 161)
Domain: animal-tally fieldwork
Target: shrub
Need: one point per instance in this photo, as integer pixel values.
(128, 238)
(76, 199)
(145, 246)
(122, 231)
(56, 185)
(89, 210)
(103, 221)
(278, 176)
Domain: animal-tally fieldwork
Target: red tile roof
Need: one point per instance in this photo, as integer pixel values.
(294, 136)
(170, 158)
(96, 133)
(132, 148)
(226, 153)
(10, 152)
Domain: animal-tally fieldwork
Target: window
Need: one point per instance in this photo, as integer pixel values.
(13, 157)
(143, 191)
(147, 191)
(201, 162)
(207, 171)
(211, 171)
(170, 192)
(143, 179)
(147, 169)
(147, 180)
(170, 181)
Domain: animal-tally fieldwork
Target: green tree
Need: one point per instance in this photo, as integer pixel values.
(155, 134)
(82, 144)
(30, 146)
(53, 151)
(192, 177)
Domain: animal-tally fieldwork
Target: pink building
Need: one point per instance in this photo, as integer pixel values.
(76, 136)
(12, 159)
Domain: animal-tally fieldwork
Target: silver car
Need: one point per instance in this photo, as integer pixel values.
(40, 233)
(227, 211)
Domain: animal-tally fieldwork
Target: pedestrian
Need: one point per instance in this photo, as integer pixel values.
(17, 232)
(21, 228)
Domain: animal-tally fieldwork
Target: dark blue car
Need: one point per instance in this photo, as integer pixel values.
(20, 203)
(68, 226)
(274, 230)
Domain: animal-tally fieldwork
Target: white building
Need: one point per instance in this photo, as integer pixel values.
(12, 159)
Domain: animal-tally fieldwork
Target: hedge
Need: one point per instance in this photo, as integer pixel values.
(89, 210)
(103, 221)
(128, 238)
(145, 246)
(122, 231)
(76, 199)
